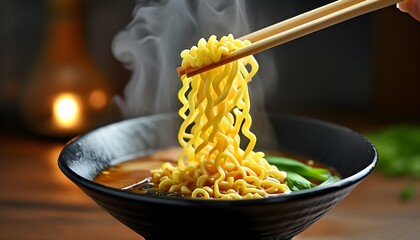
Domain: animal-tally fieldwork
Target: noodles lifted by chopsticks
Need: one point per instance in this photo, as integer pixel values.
(216, 110)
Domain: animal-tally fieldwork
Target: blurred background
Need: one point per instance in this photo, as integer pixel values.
(368, 66)
(60, 77)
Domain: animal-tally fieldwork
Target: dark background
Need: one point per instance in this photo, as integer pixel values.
(366, 67)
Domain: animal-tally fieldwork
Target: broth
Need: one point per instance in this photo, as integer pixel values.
(134, 175)
(132, 171)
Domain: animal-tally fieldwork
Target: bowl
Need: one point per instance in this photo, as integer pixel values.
(280, 217)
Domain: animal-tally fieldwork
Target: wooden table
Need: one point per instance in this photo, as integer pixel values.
(38, 202)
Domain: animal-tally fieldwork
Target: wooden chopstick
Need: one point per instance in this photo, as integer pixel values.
(298, 20)
(296, 27)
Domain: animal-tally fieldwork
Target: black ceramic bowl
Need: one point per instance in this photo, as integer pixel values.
(280, 217)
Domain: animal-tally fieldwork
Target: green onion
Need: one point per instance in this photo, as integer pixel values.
(297, 182)
(292, 165)
(300, 175)
(331, 179)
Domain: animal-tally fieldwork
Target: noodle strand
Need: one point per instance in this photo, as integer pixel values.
(216, 110)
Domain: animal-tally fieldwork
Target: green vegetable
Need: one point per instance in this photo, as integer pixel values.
(407, 193)
(399, 150)
(331, 179)
(291, 165)
(297, 182)
(300, 175)
(398, 147)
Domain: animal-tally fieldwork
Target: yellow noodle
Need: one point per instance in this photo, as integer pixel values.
(216, 113)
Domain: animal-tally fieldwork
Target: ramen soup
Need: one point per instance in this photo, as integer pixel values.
(135, 175)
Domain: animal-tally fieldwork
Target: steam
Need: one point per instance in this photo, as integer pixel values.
(151, 43)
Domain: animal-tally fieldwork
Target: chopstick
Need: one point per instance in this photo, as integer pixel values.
(299, 20)
(295, 27)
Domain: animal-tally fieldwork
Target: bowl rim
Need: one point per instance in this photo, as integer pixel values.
(172, 201)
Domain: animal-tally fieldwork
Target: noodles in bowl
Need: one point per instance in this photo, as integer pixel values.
(214, 162)
(215, 110)
(249, 206)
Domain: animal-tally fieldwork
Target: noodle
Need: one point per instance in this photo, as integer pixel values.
(216, 110)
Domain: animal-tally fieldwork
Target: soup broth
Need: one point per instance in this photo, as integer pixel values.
(134, 175)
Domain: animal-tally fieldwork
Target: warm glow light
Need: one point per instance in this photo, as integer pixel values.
(66, 110)
(97, 99)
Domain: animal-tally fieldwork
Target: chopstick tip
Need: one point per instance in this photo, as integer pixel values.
(181, 71)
